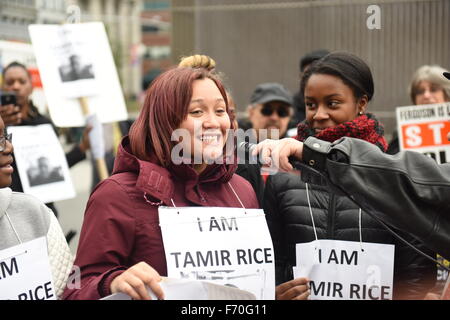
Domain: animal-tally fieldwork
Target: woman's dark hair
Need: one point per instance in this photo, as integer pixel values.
(353, 71)
(15, 64)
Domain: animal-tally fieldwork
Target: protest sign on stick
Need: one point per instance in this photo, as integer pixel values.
(424, 128)
(75, 61)
(76, 65)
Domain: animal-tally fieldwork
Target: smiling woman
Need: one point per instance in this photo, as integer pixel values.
(207, 123)
(6, 159)
(121, 246)
(23, 218)
(337, 92)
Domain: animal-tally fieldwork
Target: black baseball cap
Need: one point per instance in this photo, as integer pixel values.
(271, 91)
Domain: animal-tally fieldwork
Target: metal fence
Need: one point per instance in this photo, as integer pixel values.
(258, 41)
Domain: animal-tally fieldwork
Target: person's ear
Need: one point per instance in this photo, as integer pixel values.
(362, 104)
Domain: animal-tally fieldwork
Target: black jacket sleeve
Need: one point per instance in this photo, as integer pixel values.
(283, 272)
(408, 190)
(414, 274)
(252, 173)
(74, 156)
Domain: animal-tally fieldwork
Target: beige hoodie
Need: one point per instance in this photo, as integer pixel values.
(24, 218)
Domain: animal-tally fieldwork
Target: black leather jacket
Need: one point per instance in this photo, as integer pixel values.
(408, 191)
(336, 217)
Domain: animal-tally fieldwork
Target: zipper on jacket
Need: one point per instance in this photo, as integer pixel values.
(202, 198)
(331, 216)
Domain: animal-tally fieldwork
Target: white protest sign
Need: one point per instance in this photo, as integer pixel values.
(75, 60)
(185, 289)
(41, 163)
(424, 128)
(346, 270)
(226, 246)
(25, 272)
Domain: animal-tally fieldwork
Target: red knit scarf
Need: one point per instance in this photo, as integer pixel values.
(365, 127)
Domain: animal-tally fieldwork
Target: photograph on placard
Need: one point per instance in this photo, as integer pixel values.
(42, 171)
(41, 163)
(75, 61)
(75, 69)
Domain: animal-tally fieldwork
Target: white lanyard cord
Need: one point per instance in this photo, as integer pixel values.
(173, 203)
(232, 189)
(314, 225)
(310, 212)
(12, 226)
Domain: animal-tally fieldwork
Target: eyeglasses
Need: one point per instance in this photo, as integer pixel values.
(268, 109)
(3, 141)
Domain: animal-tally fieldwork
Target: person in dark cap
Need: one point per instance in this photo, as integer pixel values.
(270, 108)
(298, 99)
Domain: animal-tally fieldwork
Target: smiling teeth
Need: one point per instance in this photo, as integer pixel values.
(209, 138)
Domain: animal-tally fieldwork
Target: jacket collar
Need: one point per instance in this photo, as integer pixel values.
(159, 182)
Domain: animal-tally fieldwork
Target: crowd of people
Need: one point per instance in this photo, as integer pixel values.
(352, 184)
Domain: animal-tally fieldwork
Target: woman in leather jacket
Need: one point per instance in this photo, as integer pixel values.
(337, 91)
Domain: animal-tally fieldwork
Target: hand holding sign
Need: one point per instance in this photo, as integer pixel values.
(85, 143)
(297, 289)
(225, 246)
(134, 280)
(10, 114)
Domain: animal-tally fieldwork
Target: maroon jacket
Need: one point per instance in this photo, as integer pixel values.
(121, 224)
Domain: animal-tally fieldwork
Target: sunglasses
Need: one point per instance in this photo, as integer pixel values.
(268, 109)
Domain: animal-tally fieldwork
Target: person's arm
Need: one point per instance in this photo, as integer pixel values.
(60, 257)
(414, 274)
(409, 191)
(78, 152)
(105, 246)
(105, 242)
(10, 114)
